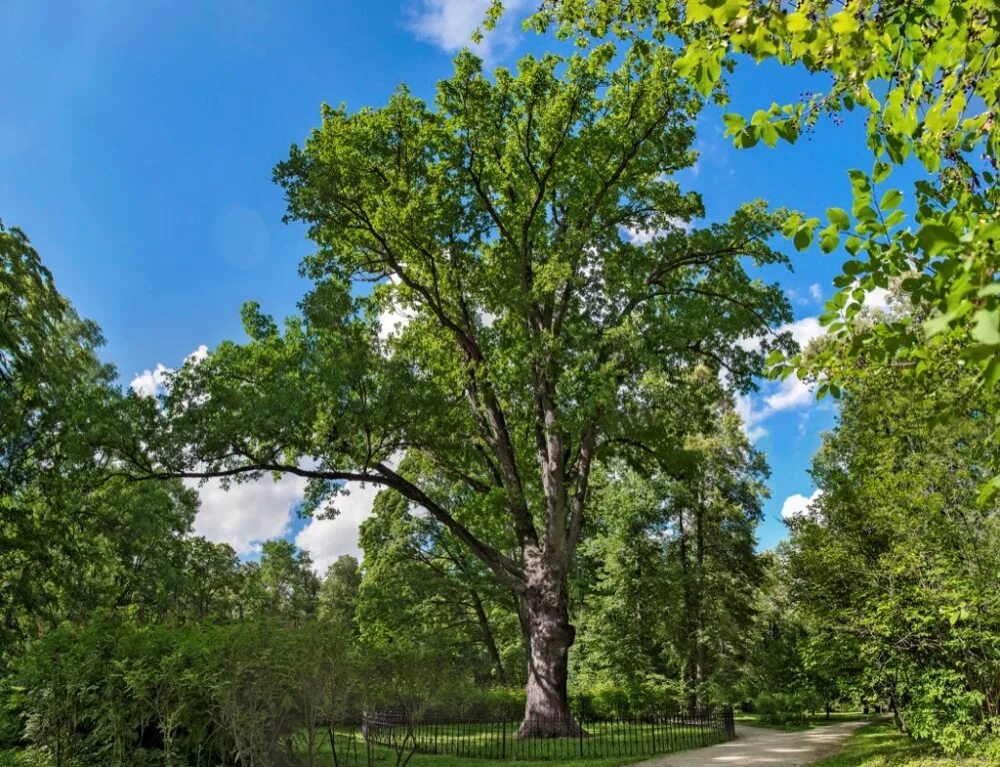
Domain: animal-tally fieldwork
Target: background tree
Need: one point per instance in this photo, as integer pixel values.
(422, 584)
(63, 553)
(673, 559)
(899, 558)
(795, 665)
(212, 587)
(286, 585)
(540, 330)
(50, 381)
(338, 592)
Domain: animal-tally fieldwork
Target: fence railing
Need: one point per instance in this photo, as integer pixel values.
(592, 737)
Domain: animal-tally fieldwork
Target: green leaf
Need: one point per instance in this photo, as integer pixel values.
(867, 214)
(839, 218)
(747, 137)
(697, 10)
(992, 374)
(803, 238)
(935, 238)
(852, 267)
(939, 323)
(844, 23)
(792, 223)
(881, 171)
(891, 199)
(859, 180)
(986, 327)
(769, 134)
(829, 239)
(734, 123)
(895, 218)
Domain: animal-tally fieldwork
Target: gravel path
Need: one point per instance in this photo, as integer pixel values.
(760, 746)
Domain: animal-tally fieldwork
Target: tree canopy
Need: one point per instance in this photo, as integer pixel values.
(555, 294)
(925, 73)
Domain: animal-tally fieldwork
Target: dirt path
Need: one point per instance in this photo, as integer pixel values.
(760, 746)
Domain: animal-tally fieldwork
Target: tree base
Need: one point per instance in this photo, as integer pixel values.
(539, 727)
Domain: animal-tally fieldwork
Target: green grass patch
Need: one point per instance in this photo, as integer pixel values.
(818, 720)
(880, 745)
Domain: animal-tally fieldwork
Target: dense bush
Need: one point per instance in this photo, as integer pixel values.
(115, 692)
(785, 707)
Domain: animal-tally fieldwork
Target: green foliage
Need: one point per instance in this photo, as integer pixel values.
(879, 745)
(116, 692)
(900, 560)
(670, 566)
(785, 707)
(529, 227)
(925, 73)
(422, 585)
(338, 593)
(51, 384)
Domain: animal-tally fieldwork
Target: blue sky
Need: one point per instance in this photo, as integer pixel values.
(136, 145)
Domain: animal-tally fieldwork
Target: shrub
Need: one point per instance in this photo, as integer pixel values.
(785, 707)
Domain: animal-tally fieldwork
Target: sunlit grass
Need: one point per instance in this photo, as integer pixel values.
(880, 745)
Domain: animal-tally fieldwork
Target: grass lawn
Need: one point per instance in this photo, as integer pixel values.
(879, 745)
(817, 720)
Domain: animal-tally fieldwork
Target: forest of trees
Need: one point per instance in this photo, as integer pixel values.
(568, 507)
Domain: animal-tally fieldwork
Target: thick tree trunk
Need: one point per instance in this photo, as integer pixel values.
(550, 635)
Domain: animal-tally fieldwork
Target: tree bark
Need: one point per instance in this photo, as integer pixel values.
(550, 635)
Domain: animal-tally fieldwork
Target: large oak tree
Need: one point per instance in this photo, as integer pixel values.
(538, 292)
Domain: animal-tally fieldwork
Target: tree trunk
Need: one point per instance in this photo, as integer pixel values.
(550, 635)
(699, 606)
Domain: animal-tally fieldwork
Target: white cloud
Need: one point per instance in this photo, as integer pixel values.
(150, 383)
(877, 298)
(247, 514)
(751, 416)
(327, 539)
(393, 321)
(804, 330)
(816, 292)
(449, 24)
(792, 393)
(198, 354)
(789, 394)
(643, 236)
(799, 505)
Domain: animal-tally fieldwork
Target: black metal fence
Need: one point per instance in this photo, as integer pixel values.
(594, 737)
